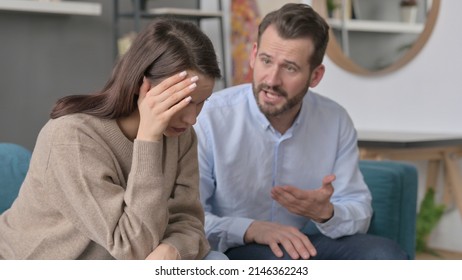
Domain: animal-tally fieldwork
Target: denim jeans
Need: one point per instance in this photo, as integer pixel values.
(354, 247)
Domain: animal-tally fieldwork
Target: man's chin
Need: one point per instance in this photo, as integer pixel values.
(267, 107)
(270, 110)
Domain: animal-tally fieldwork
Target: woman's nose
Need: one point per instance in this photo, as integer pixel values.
(189, 114)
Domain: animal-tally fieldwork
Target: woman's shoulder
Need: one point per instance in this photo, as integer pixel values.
(78, 119)
(72, 127)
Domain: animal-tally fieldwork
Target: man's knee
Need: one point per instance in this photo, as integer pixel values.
(357, 247)
(383, 249)
(254, 251)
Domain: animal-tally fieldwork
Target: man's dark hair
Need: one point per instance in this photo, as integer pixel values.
(295, 21)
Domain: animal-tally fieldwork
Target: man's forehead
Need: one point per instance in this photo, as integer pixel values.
(292, 50)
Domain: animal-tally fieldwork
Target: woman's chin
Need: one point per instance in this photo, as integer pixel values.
(170, 132)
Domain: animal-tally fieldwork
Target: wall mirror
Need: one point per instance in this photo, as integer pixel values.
(372, 37)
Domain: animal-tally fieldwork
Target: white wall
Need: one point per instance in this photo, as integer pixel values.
(424, 96)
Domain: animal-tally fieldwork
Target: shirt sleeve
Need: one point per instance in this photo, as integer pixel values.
(351, 198)
(185, 230)
(222, 232)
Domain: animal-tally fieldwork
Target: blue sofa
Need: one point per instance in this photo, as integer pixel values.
(393, 186)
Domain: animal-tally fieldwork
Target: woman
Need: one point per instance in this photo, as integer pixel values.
(114, 174)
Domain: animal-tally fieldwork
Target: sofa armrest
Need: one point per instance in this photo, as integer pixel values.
(393, 186)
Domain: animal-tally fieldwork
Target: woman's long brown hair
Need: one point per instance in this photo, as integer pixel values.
(164, 48)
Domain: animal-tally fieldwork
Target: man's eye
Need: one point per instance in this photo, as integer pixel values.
(291, 68)
(265, 60)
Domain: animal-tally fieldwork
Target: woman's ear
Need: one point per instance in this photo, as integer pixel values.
(145, 86)
(141, 83)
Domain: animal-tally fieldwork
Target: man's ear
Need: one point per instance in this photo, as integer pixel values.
(253, 55)
(317, 74)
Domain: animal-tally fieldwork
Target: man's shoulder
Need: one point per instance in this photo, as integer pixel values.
(228, 97)
(223, 106)
(325, 103)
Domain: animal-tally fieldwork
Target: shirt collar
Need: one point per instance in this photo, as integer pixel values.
(255, 111)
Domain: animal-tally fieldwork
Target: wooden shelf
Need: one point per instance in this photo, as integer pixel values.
(191, 13)
(376, 26)
(140, 12)
(52, 7)
(176, 12)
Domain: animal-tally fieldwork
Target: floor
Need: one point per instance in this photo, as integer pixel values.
(440, 255)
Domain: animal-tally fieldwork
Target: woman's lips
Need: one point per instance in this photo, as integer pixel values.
(179, 130)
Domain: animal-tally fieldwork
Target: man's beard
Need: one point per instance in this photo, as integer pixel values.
(270, 110)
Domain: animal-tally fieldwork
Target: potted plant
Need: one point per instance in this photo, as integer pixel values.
(335, 8)
(428, 218)
(408, 10)
(332, 8)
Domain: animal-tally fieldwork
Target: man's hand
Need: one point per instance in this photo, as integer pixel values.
(314, 204)
(164, 252)
(296, 243)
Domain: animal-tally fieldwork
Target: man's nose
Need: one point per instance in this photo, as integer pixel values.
(273, 77)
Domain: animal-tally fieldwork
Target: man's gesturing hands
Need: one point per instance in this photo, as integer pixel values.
(314, 204)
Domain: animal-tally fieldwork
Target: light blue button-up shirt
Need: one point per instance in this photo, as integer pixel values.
(241, 157)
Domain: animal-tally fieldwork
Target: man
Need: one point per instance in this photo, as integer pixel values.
(279, 163)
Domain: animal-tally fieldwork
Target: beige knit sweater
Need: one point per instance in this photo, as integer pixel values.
(90, 193)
